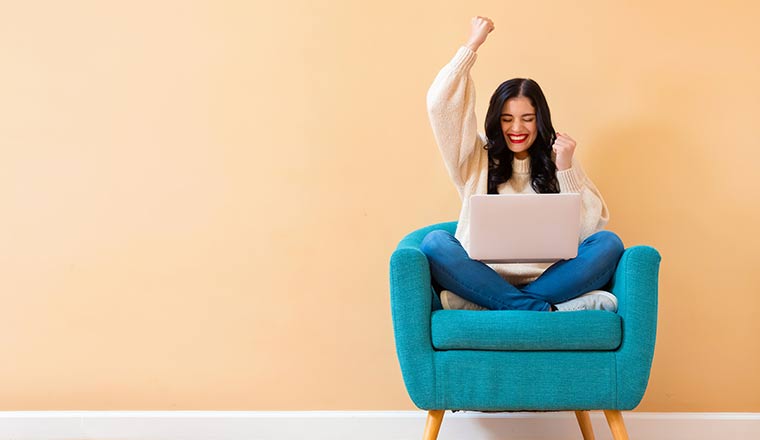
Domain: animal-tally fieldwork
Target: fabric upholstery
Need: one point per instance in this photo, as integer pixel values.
(523, 330)
(514, 370)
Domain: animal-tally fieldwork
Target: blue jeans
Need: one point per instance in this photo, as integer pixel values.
(452, 269)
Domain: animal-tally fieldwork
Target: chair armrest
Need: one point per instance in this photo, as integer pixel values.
(410, 309)
(635, 284)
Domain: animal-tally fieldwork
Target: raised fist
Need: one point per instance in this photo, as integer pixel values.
(564, 148)
(481, 27)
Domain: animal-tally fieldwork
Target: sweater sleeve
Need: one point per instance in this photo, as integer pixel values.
(594, 212)
(451, 110)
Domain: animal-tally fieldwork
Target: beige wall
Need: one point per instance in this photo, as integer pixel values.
(200, 200)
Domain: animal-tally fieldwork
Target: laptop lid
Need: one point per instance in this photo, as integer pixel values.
(524, 228)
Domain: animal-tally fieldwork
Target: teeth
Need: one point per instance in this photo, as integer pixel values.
(517, 138)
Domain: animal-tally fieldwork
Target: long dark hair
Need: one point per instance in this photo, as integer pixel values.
(543, 171)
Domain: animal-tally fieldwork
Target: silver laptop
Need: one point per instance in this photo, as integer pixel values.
(524, 228)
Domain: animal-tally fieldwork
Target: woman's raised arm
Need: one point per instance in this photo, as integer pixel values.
(451, 105)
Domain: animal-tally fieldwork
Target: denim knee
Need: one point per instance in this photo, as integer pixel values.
(611, 244)
(435, 241)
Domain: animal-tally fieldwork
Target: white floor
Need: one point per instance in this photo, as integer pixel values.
(367, 425)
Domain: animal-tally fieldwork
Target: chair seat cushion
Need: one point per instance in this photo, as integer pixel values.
(524, 330)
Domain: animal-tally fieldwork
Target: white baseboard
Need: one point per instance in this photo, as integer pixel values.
(367, 425)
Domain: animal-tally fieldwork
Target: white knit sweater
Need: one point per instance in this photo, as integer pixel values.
(451, 109)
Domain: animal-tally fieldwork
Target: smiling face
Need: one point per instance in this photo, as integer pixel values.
(518, 123)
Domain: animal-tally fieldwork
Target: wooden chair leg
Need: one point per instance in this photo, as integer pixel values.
(433, 424)
(585, 423)
(617, 425)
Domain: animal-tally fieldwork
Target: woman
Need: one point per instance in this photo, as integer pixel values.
(519, 153)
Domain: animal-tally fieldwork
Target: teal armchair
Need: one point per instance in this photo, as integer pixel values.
(517, 360)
